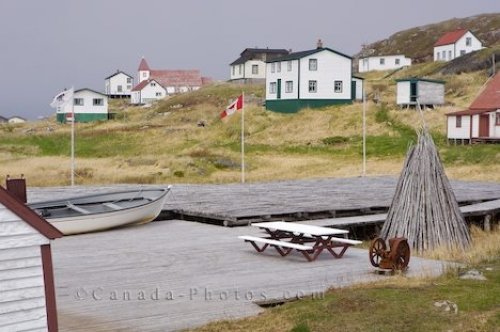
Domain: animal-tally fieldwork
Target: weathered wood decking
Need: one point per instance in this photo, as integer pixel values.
(234, 204)
(175, 274)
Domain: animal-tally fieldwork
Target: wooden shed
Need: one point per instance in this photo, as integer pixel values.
(27, 292)
(430, 93)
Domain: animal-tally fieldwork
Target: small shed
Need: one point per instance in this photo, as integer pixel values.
(27, 292)
(357, 86)
(430, 93)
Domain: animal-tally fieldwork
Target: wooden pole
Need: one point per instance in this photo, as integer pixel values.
(72, 140)
(363, 173)
(243, 138)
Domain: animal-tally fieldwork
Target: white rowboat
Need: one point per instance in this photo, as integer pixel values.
(99, 212)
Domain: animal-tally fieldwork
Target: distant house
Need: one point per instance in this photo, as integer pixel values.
(481, 122)
(28, 299)
(88, 105)
(383, 62)
(454, 44)
(118, 85)
(17, 119)
(429, 92)
(312, 78)
(250, 67)
(147, 92)
(173, 81)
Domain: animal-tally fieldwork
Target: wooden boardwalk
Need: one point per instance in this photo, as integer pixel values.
(172, 275)
(235, 204)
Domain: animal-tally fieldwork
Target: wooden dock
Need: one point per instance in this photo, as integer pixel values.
(241, 204)
(172, 275)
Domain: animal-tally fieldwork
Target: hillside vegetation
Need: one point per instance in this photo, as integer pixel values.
(417, 43)
(182, 139)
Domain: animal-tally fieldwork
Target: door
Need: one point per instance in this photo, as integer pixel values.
(278, 89)
(413, 91)
(353, 90)
(484, 125)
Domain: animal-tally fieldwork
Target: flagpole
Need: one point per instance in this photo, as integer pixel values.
(243, 138)
(363, 173)
(72, 141)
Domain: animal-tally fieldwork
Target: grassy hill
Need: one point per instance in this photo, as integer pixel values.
(417, 43)
(166, 143)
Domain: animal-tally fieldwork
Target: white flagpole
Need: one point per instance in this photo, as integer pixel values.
(72, 141)
(364, 132)
(243, 137)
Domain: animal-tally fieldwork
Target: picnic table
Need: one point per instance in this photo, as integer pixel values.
(309, 240)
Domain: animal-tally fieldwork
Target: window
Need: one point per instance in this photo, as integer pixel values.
(144, 74)
(443, 54)
(158, 94)
(78, 101)
(119, 88)
(338, 86)
(98, 102)
(129, 80)
(458, 123)
(234, 70)
(462, 52)
(468, 41)
(449, 55)
(313, 86)
(129, 87)
(255, 69)
(272, 87)
(438, 54)
(313, 65)
(382, 61)
(497, 122)
(273, 67)
(278, 67)
(239, 69)
(289, 86)
(289, 66)
(397, 61)
(153, 84)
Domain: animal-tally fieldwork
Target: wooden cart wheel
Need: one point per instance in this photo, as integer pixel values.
(377, 251)
(402, 255)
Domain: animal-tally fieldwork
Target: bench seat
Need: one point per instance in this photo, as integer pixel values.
(278, 243)
(346, 241)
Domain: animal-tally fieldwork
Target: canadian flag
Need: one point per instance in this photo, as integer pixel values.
(235, 106)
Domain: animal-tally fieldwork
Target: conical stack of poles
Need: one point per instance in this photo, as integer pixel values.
(424, 208)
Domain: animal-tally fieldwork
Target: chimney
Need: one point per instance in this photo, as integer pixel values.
(319, 44)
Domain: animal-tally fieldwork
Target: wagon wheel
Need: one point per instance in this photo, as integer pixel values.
(377, 251)
(401, 255)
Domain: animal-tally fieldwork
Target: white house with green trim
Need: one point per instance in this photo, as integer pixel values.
(313, 78)
(88, 105)
(429, 92)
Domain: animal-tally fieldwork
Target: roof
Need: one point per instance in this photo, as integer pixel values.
(489, 99)
(117, 72)
(17, 117)
(265, 53)
(87, 89)
(302, 54)
(177, 77)
(467, 112)
(416, 79)
(28, 215)
(358, 77)
(3, 119)
(450, 37)
(382, 56)
(143, 65)
(143, 84)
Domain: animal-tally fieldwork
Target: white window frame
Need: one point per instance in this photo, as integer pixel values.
(397, 62)
(449, 54)
(255, 69)
(78, 102)
(272, 88)
(158, 94)
(278, 67)
(97, 102)
(313, 64)
(313, 86)
(337, 86)
(468, 41)
(289, 65)
(382, 61)
(289, 87)
(153, 84)
(273, 67)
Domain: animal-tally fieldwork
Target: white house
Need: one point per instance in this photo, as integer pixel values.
(27, 292)
(357, 88)
(481, 122)
(88, 105)
(118, 85)
(383, 62)
(454, 44)
(312, 78)
(429, 92)
(250, 67)
(147, 92)
(173, 81)
(16, 119)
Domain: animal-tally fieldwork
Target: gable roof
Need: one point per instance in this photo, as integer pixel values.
(302, 54)
(177, 77)
(417, 79)
(118, 72)
(489, 99)
(466, 112)
(450, 37)
(87, 89)
(264, 53)
(143, 84)
(28, 215)
(143, 65)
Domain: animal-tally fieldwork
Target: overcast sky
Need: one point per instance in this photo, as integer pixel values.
(52, 44)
